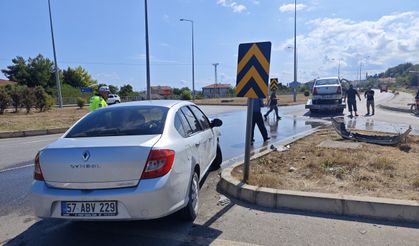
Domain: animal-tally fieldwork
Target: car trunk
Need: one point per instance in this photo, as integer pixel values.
(327, 89)
(96, 163)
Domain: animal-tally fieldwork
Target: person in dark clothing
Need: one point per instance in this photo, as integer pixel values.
(369, 95)
(257, 119)
(350, 98)
(417, 95)
(273, 105)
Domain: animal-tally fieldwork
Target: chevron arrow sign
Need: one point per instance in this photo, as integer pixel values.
(253, 70)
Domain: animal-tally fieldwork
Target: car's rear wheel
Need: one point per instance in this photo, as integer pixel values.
(216, 164)
(190, 212)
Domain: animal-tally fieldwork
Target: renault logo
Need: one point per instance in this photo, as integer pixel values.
(86, 155)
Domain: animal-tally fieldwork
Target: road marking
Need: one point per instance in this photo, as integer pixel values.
(15, 168)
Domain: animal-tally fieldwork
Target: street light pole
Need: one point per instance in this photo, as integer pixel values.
(215, 74)
(57, 77)
(193, 60)
(147, 50)
(295, 51)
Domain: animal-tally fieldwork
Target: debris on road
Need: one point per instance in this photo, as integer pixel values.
(223, 201)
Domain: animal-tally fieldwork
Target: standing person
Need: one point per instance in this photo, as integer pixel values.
(99, 100)
(350, 98)
(369, 95)
(273, 105)
(257, 119)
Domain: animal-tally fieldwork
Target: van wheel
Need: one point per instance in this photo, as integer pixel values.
(216, 164)
(190, 212)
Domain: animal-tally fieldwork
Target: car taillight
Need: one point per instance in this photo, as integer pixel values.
(37, 175)
(339, 91)
(315, 91)
(159, 163)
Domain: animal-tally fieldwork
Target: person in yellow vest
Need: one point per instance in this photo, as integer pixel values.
(99, 100)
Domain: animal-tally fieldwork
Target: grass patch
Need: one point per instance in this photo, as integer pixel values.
(372, 170)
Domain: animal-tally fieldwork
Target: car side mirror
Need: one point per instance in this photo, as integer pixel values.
(216, 123)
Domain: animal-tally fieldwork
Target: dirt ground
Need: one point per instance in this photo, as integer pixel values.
(283, 99)
(372, 170)
(54, 118)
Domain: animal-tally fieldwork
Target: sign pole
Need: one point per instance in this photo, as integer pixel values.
(248, 140)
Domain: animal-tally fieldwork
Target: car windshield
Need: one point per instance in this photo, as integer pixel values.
(327, 82)
(121, 121)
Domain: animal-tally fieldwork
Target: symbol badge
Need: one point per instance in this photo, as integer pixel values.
(86, 155)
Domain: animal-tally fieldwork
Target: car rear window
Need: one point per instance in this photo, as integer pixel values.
(121, 121)
(327, 82)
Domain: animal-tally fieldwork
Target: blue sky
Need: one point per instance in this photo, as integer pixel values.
(107, 37)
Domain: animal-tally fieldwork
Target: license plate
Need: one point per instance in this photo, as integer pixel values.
(89, 209)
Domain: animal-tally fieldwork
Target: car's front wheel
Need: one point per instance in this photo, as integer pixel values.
(190, 212)
(216, 164)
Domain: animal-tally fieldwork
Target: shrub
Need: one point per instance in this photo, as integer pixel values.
(28, 100)
(43, 101)
(186, 95)
(306, 93)
(80, 102)
(16, 94)
(4, 100)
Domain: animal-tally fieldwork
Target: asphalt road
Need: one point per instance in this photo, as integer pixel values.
(220, 222)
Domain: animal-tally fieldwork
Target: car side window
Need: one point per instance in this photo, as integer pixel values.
(201, 117)
(179, 125)
(193, 122)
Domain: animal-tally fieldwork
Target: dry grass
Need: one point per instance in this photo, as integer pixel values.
(283, 99)
(373, 170)
(55, 118)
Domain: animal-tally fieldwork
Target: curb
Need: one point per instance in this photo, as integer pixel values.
(31, 133)
(403, 110)
(343, 205)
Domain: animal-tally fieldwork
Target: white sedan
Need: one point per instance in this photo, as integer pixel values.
(132, 161)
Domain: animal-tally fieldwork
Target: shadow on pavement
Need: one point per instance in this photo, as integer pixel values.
(165, 231)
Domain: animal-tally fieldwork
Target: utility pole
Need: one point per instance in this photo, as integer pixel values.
(216, 81)
(193, 59)
(295, 51)
(147, 50)
(57, 76)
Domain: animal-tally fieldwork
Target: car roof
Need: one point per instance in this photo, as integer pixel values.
(159, 103)
(327, 78)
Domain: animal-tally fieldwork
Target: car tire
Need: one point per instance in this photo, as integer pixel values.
(190, 212)
(117, 102)
(216, 164)
(313, 111)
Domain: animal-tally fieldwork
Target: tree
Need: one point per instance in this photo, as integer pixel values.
(42, 72)
(4, 100)
(18, 72)
(36, 71)
(43, 101)
(126, 90)
(16, 94)
(114, 89)
(78, 77)
(177, 91)
(28, 100)
(186, 95)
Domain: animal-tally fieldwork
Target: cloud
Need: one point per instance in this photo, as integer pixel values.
(290, 7)
(387, 41)
(234, 6)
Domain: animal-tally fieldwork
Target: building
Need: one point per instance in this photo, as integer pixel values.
(217, 90)
(4, 82)
(164, 91)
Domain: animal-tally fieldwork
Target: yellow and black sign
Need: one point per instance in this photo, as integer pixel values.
(274, 84)
(253, 70)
